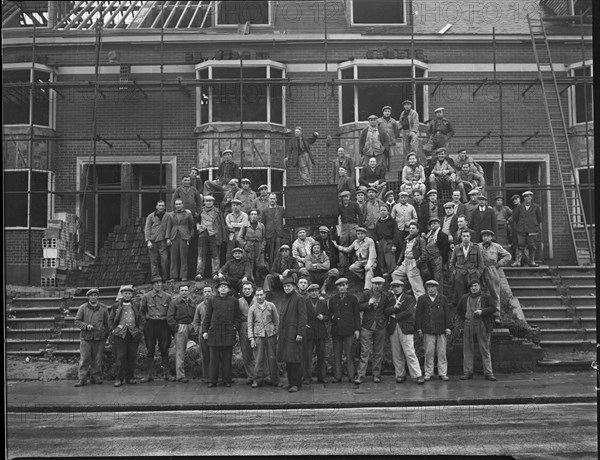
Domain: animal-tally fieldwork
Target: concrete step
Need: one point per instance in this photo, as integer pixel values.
(534, 312)
(577, 280)
(37, 312)
(518, 281)
(533, 290)
(41, 345)
(563, 323)
(574, 344)
(64, 353)
(582, 290)
(34, 302)
(44, 321)
(555, 301)
(568, 334)
(544, 270)
(44, 333)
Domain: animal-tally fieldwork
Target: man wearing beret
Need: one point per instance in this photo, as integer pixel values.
(345, 328)
(284, 266)
(483, 218)
(292, 330)
(261, 202)
(401, 329)
(433, 323)
(373, 175)
(93, 321)
(127, 323)
(392, 129)
(528, 222)
(298, 154)
(316, 335)
(246, 196)
(409, 126)
(212, 232)
(373, 303)
(221, 320)
(440, 132)
(494, 257)
(374, 142)
(180, 317)
(227, 170)
(155, 304)
(476, 310)
(437, 248)
(366, 256)
(236, 271)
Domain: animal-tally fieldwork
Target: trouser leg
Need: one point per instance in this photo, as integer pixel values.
(441, 354)
(468, 347)
(378, 343)
(321, 365)
(272, 359)
(85, 358)
(205, 352)
(120, 357)
(414, 277)
(491, 277)
(397, 355)
(366, 344)
(181, 340)
(163, 252)
(408, 349)
(246, 349)
(215, 363)
(337, 357)
(97, 357)
(260, 352)
(307, 352)
(226, 355)
(429, 341)
(484, 339)
(154, 260)
(132, 347)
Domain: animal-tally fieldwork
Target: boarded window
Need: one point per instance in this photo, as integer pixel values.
(378, 12)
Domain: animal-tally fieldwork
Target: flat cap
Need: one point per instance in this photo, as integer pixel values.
(92, 291)
(226, 151)
(378, 280)
(223, 282)
(487, 232)
(300, 230)
(236, 201)
(341, 281)
(193, 168)
(298, 127)
(482, 197)
(209, 198)
(371, 189)
(263, 187)
(432, 283)
(515, 196)
(432, 191)
(449, 204)
(234, 250)
(127, 287)
(283, 246)
(474, 192)
(245, 179)
(413, 222)
(288, 280)
(441, 149)
(386, 107)
(156, 279)
(439, 109)
(373, 117)
(499, 197)
(233, 182)
(344, 193)
(389, 193)
(528, 192)
(461, 150)
(396, 283)
(362, 189)
(434, 219)
(403, 193)
(361, 229)
(407, 102)
(313, 287)
(411, 154)
(472, 282)
(322, 228)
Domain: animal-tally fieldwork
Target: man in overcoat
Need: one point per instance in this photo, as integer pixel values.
(316, 334)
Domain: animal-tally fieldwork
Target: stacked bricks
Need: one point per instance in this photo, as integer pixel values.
(123, 259)
(59, 250)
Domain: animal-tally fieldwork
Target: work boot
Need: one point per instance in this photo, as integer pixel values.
(150, 365)
(518, 259)
(531, 258)
(80, 383)
(166, 374)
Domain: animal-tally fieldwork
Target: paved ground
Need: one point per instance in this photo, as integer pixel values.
(560, 387)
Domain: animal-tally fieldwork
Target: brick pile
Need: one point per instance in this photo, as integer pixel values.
(123, 259)
(59, 250)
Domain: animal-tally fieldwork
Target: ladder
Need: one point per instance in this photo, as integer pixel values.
(580, 232)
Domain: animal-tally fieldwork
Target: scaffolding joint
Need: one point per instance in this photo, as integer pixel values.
(480, 86)
(528, 88)
(139, 88)
(183, 88)
(100, 138)
(487, 136)
(140, 138)
(534, 135)
(437, 86)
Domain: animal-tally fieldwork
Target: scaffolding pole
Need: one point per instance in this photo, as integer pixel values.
(30, 154)
(95, 132)
(587, 138)
(161, 119)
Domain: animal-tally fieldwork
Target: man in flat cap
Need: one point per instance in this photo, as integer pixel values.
(342, 161)
(284, 266)
(403, 214)
(472, 204)
(345, 183)
(207, 293)
(392, 129)
(401, 329)
(298, 154)
(440, 132)
(433, 323)
(374, 142)
(228, 170)
(252, 238)
(373, 303)
(351, 217)
(528, 224)
(316, 335)
(373, 175)
(318, 269)
(483, 218)
(345, 328)
(325, 239)
(466, 264)
(236, 271)
(371, 211)
(292, 330)
(387, 241)
(212, 233)
(409, 126)
(437, 249)
(234, 222)
(449, 223)
(261, 202)
(272, 218)
(302, 246)
(476, 310)
(389, 200)
(180, 317)
(155, 305)
(366, 256)
(503, 214)
(494, 257)
(231, 188)
(92, 320)
(127, 323)
(155, 234)
(467, 180)
(412, 257)
(443, 173)
(514, 241)
(221, 320)
(246, 195)
(245, 300)
(463, 158)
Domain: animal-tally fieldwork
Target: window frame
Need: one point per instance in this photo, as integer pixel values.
(215, 17)
(385, 24)
(51, 183)
(572, 92)
(582, 192)
(235, 63)
(51, 93)
(356, 63)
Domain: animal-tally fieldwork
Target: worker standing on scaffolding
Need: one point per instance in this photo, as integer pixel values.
(298, 153)
(440, 132)
(228, 170)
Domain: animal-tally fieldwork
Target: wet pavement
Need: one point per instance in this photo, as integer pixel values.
(525, 388)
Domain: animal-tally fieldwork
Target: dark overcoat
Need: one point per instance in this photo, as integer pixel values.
(221, 319)
(292, 322)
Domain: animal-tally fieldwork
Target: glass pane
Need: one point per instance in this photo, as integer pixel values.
(226, 101)
(15, 101)
(276, 98)
(39, 201)
(348, 97)
(372, 97)
(587, 185)
(41, 100)
(378, 11)
(15, 205)
(203, 98)
(240, 12)
(583, 92)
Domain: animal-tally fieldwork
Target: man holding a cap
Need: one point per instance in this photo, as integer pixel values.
(180, 316)
(155, 235)
(246, 195)
(366, 256)
(476, 310)
(261, 202)
(483, 218)
(373, 303)
(411, 259)
(236, 271)
(218, 329)
(180, 230)
(284, 266)
(212, 232)
(316, 335)
(373, 175)
(374, 142)
(272, 218)
(292, 330)
(155, 305)
(528, 222)
(345, 328)
(494, 257)
(409, 125)
(433, 323)
(126, 322)
(227, 170)
(93, 321)
(392, 129)
(401, 329)
(440, 132)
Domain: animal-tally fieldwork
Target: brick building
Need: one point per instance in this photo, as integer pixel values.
(107, 104)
